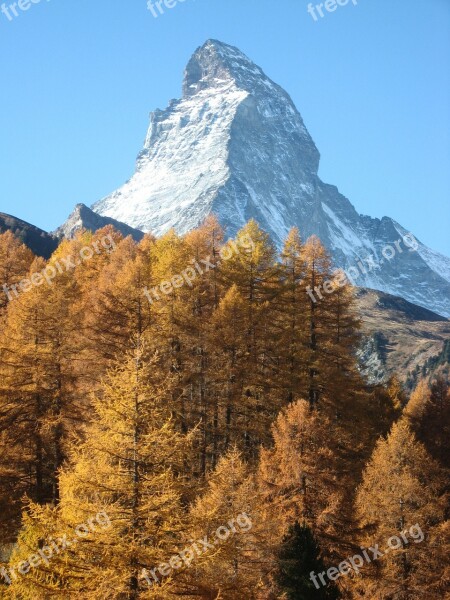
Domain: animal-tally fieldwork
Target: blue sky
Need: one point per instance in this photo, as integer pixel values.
(372, 81)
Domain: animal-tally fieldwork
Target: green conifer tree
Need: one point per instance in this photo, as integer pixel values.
(299, 560)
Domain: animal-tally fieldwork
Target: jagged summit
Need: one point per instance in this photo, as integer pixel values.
(216, 62)
(236, 145)
(234, 136)
(83, 217)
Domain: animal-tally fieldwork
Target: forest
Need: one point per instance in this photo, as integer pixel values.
(208, 436)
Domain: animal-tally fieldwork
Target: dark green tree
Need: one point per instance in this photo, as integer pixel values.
(298, 557)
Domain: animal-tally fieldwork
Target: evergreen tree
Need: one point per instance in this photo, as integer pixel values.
(298, 558)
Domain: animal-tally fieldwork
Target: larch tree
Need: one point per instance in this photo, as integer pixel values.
(130, 469)
(252, 268)
(138, 381)
(434, 429)
(116, 311)
(227, 363)
(61, 354)
(290, 324)
(428, 412)
(15, 262)
(171, 259)
(402, 489)
(415, 408)
(396, 392)
(199, 299)
(24, 402)
(227, 513)
(300, 476)
(342, 324)
(39, 406)
(92, 252)
(317, 276)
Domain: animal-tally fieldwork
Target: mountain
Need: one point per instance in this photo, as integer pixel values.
(38, 241)
(44, 244)
(84, 218)
(235, 145)
(400, 337)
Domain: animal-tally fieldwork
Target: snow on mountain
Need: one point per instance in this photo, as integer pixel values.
(236, 145)
(204, 152)
(436, 261)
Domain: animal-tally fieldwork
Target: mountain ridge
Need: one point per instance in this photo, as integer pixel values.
(43, 243)
(397, 337)
(235, 145)
(83, 217)
(37, 240)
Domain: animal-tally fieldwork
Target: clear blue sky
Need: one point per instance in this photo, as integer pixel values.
(79, 77)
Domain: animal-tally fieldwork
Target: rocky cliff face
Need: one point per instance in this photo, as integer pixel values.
(236, 145)
(83, 217)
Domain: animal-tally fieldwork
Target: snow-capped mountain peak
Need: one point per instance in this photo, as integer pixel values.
(216, 62)
(236, 145)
